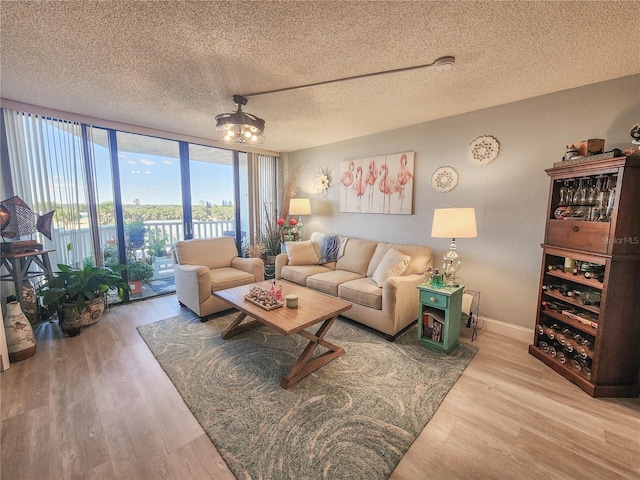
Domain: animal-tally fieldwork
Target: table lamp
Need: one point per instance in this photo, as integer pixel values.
(299, 207)
(453, 223)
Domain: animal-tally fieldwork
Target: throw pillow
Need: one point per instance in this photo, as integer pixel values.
(392, 264)
(301, 253)
(332, 248)
(328, 247)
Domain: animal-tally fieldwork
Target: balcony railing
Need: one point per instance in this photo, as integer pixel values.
(171, 230)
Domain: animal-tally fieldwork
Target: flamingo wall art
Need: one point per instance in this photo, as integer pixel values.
(381, 184)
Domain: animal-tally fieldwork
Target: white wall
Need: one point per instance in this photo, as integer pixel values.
(509, 194)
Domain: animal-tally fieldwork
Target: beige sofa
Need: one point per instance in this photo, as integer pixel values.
(386, 300)
(204, 266)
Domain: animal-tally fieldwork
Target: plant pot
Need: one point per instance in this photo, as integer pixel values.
(72, 321)
(136, 286)
(29, 301)
(136, 239)
(93, 311)
(21, 343)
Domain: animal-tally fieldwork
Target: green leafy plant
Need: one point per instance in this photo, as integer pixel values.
(80, 286)
(156, 244)
(139, 270)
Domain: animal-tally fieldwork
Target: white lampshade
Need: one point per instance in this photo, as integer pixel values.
(300, 206)
(454, 223)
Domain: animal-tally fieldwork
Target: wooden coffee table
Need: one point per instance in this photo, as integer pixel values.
(313, 308)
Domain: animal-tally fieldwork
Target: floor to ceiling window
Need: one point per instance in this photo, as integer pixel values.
(213, 192)
(123, 197)
(152, 211)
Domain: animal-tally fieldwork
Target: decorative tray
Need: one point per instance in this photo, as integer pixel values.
(264, 307)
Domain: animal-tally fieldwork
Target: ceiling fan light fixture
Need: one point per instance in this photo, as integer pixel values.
(240, 127)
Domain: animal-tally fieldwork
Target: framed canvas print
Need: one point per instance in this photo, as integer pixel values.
(382, 184)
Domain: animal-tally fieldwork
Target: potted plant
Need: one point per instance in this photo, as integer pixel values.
(139, 271)
(135, 234)
(156, 245)
(78, 295)
(270, 238)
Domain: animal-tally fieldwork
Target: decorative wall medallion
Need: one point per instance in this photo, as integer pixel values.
(444, 179)
(322, 181)
(483, 150)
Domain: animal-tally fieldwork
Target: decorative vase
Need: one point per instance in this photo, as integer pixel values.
(72, 321)
(21, 343)
(93, 311)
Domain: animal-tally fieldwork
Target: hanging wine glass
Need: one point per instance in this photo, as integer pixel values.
(578, 193)
(592, 196)
(612, 197)
(580, 198)
(603, 201)
(564, 194)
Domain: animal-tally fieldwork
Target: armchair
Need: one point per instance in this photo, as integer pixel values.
(204, 266)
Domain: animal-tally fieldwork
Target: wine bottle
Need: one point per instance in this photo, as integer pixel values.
(555, 348)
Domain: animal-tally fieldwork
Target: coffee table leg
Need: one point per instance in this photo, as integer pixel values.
(235, 326)
(303, 365)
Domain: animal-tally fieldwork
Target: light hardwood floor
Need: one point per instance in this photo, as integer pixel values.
(98, 406)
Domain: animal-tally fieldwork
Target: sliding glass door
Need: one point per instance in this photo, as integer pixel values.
(152, 213)
(213, 199)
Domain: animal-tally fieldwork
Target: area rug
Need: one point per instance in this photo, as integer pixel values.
(164, 285)
(354, 418)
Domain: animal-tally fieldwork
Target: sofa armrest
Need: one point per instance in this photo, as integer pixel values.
(254, 266)
(400, 299)
(193, 285)
(282, 259)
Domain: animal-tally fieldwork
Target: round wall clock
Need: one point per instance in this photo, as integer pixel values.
(444, 179)
(483, 150)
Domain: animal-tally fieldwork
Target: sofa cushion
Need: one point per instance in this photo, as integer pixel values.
(208, 252)
(226, 277)
(362, 291)
(300, 273)
(357, 256)
(301, 253)
(420, 257)
(328, 282)
(393, 264)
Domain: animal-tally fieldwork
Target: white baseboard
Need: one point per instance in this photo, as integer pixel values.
(508, 330)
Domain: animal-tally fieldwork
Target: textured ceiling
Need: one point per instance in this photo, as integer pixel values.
(175, 65)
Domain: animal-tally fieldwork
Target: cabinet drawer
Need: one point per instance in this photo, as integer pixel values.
(434, 299)
(587, 236)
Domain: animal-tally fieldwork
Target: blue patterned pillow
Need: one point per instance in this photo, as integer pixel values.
(331, 248)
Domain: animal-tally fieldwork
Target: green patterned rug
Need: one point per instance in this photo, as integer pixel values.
(354, 418)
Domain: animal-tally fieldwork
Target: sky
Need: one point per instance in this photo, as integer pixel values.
(155, 180)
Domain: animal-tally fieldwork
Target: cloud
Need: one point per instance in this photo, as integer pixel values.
(132, 162)
(144, 161)
(122, 155)
(168, 162)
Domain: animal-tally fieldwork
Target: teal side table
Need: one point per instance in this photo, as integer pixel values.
(439, 317)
